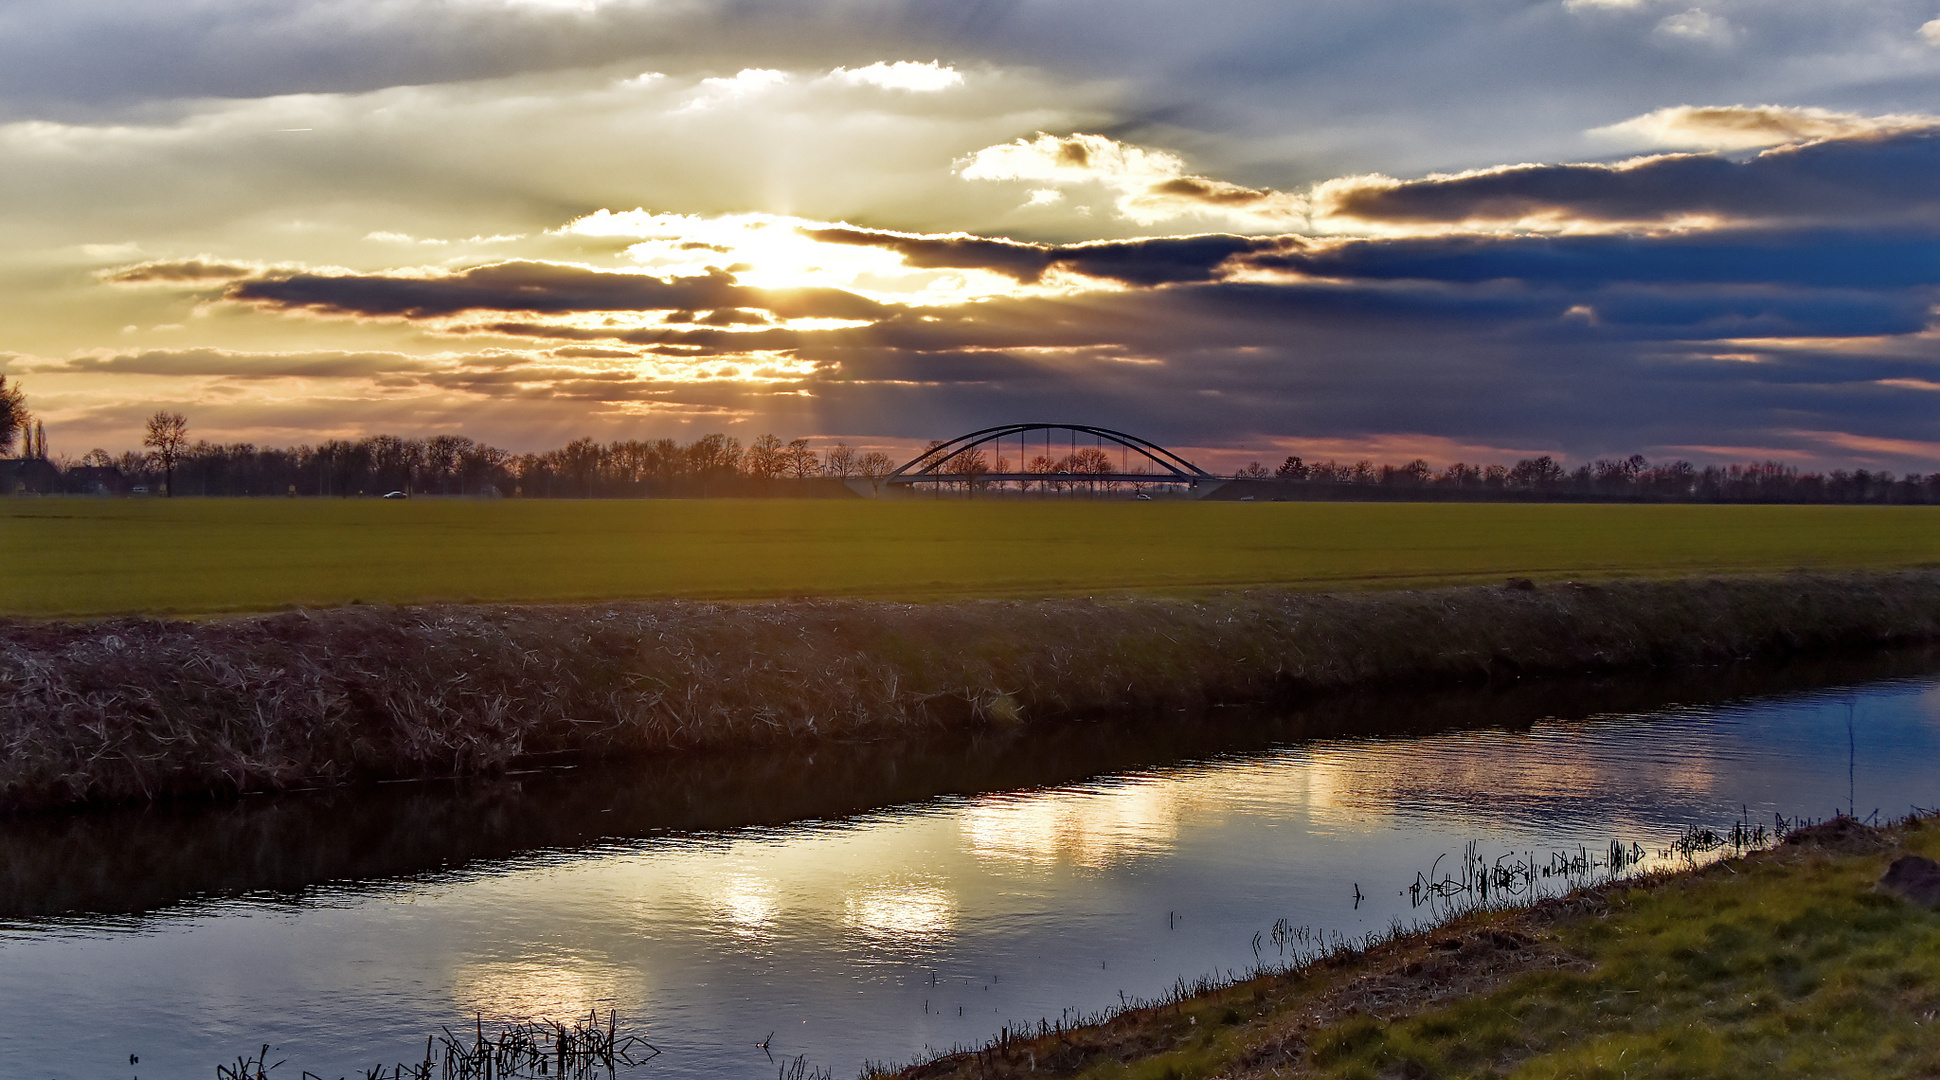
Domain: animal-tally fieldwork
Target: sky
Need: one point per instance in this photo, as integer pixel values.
(1469, 230)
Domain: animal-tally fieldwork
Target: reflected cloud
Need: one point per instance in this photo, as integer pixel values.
(1092, 830)
(1486, 779)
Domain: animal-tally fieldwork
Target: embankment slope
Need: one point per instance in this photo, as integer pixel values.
(1787, 962)
(133, 709)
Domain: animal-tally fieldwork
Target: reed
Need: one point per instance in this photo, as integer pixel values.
(586, 1049)
(138, 709)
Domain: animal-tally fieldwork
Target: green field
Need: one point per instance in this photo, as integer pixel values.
(82, 557)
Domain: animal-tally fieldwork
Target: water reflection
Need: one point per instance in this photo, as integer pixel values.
(560, 986)
(1091, 830)
(133, 861)
(744, 906)
(905, 914)
(871, 900)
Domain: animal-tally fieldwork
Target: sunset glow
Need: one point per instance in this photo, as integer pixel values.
(630, 220)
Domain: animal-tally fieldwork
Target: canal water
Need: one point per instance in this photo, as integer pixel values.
(858, 903)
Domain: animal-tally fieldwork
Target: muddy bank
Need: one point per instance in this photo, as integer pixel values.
(138, 709)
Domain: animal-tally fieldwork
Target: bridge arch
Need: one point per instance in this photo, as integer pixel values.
(1160, 466)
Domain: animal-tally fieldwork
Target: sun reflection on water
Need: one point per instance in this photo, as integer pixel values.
(745, 906)
(905, 915)
(560, 986)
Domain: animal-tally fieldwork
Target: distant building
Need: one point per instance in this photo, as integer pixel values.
(29, 476)
(94, 480)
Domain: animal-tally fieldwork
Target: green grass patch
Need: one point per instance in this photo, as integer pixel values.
(86, 557)
(1782, 966)
(1785, 963)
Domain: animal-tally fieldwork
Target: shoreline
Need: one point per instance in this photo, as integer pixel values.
(134, 709)
(1793, 959)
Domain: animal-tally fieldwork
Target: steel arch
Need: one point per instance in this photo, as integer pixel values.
(926, 466)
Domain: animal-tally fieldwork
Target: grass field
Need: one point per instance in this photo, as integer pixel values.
(88, 557)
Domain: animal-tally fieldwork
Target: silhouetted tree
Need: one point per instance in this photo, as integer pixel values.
(167, 436)
(841, 461)
(13, 414)
(875, 465)
(799, 461)
(765, 458)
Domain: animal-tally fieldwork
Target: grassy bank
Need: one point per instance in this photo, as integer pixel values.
(132, 709)
(86, 557)
(1782, 963)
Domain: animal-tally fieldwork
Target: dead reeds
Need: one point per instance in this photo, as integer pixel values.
(583, 1050)
(136, 709)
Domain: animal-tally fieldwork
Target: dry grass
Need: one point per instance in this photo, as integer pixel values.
(135, 709)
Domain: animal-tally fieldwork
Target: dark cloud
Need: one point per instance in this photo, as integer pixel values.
(1230, 365)
(1582, 345)
(1150, 261)
(538, 288)
(1824, 258)
(1882, 178)
(1023, 261)
(1392, 84)
(1158, 261)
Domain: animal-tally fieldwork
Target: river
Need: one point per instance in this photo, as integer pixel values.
(854, 903)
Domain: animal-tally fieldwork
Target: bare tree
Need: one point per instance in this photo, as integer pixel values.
(714, 455)
(799, 461)
(841, 461)
(581, 460)
(168, 436)
(875, 465)
(765, 459)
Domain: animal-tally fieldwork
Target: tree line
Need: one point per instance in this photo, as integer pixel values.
(718, 464)
(455, 465)
(1632, 478)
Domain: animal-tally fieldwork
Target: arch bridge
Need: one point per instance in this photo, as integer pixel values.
(957, 461)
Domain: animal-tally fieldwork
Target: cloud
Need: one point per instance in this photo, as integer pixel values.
(1930, 32)
(748, 82)
(902, 75)
(1024, 262)
(1695, 25)
(204, 271)
(1874, 178)
(1151, 185)
(1861, 262)
(229, 363)
(1149, 261)
(535, 288)
(1747, 127)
